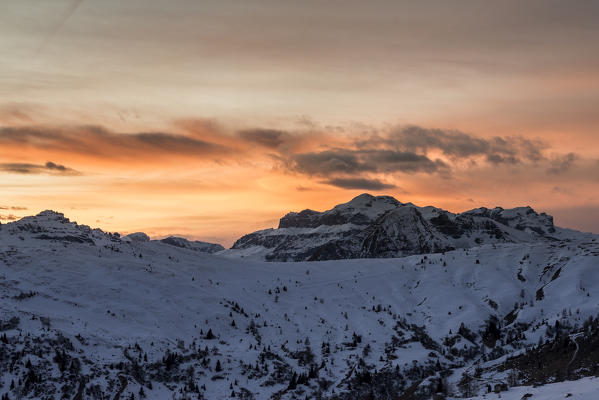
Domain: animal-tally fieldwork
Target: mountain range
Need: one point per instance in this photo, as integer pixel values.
(408, 303)
(382, 227)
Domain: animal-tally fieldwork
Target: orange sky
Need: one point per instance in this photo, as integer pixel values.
(212, 119)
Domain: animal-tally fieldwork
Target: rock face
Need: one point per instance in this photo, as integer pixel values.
(378, 227)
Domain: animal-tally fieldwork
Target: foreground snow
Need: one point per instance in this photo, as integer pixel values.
(582, 389)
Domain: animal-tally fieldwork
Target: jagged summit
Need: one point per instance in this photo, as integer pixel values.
(52, 225)
(359, 211)
(46, 217)
(380, 226)
(52, 214)
(48, 220)
(368, 200)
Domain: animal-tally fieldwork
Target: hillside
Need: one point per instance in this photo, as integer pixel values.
(86, 314)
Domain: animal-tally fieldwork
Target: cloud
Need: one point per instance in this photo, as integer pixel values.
(349, 161)
(562, 190)
(329, 162)
(14, 208)
(359, 183)
(16, 113)
(47, 168)
(561, 163)
(459, 145)
(97, 141)
(8, 217)
(355, 155)
(270, 138)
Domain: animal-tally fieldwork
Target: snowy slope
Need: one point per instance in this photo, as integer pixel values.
(136, 314)
(377, 227)
(582, 389)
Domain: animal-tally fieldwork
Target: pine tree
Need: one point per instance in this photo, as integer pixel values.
(292, 382)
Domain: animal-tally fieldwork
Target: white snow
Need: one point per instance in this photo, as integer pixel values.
(116, 293)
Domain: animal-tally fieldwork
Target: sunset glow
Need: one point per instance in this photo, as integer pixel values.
(213, 119)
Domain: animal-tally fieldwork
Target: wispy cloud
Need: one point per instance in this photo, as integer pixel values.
(14, 208)
(47, 168)
(460, 145)
(560, 164)
(359, 183)
(96, 141)
(366, 158)
(66, 14)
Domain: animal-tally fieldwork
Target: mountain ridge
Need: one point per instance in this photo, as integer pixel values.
(381, 227)
(84, 311)
(367, 226)
(53, 225)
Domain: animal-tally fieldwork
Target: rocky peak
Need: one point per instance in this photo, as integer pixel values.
(361, 210)
(47, 221)
(520, 218)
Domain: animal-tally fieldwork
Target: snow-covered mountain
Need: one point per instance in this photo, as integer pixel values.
(54, 226)
(86, 314)
(378, 227)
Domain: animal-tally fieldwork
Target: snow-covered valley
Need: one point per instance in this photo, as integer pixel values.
(87, 314)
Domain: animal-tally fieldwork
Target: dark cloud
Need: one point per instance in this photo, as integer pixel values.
(460, 145)
(401, 161)
(359, 183)
(562, 163)
(270, 138)
(52, 166)
(496, 158)
(15, 208)
(330, 162)
(98, 141)
(346, 161)
(47, 168)
(8, 217)
(341, 159)
(412, 149)
(451, 143)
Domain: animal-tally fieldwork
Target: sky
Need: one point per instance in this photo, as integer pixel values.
(212, 119)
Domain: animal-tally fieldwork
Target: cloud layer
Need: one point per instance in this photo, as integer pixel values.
(376, 160)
